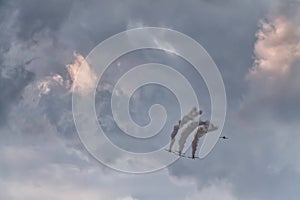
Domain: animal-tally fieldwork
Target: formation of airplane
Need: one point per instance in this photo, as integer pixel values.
(180, 155)
(202, 127)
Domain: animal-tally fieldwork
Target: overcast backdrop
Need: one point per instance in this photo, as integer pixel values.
(255, 44)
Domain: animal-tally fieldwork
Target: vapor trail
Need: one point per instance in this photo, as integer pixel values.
(190, 116)
(185, 134)
(173, 135)
(201, 131)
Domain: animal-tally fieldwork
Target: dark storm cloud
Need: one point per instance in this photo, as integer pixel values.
(11, 87)
(226, 30)
(23, 20)
(35, 15)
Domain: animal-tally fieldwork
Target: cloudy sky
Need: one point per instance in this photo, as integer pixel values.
(256, 46)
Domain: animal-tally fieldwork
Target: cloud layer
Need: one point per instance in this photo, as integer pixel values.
(41, 155)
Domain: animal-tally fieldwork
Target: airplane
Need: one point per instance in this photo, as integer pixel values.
(224, 137)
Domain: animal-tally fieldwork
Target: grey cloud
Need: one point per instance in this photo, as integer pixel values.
(11, 87)
(259, 159)
(254, 160)
(274, 78)
(34, 16)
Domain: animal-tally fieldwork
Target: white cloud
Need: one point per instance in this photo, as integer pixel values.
(83, 82)
(216, 190)
(127, 198)
(274, 77)
(51, 191)
(277, 52)
(45, 85)
(83, 78)
(278, 46)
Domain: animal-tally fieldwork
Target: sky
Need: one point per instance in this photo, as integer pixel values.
(256, 46)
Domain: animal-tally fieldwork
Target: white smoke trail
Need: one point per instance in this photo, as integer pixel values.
(173, 135)
(190, 116)
(205, 125)
(186, 133)
(200, 132)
